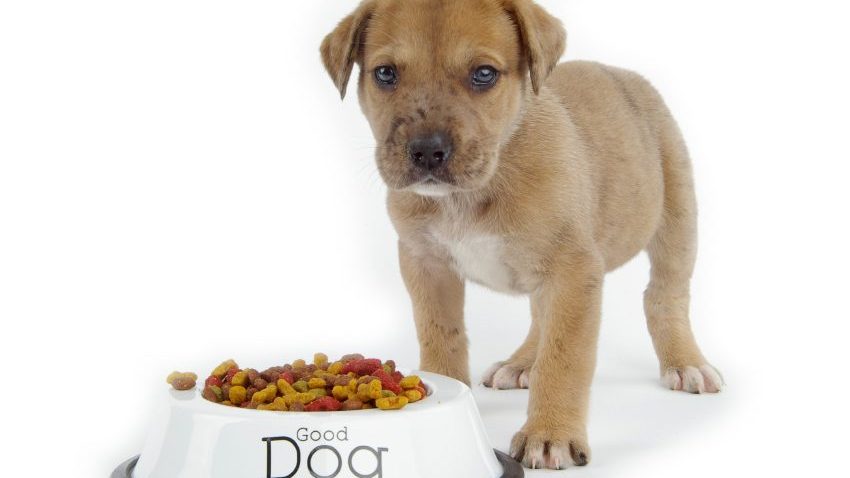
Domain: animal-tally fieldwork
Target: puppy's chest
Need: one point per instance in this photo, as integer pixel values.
(483, 258)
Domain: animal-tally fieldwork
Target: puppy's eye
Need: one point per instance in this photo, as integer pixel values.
(386, 75)
(484, 77)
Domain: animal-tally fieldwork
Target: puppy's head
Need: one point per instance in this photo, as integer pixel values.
(442, 82)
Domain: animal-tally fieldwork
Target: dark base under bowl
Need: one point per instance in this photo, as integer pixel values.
(511, 468)
(125, 470)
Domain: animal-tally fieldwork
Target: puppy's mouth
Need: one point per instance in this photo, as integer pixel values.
(464, 172)
(431, 186)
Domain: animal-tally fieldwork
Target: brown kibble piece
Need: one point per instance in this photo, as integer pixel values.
(184, 382)
(352, 404)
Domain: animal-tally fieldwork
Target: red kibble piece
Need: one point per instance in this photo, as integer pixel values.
(397, 376)
(230, 373)
(362, 367)
(288, 377)
(213, 381)
(323, 404)
(387, 382)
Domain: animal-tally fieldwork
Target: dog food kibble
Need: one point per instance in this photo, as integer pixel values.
(213, 394)
(391, 403)
(222, 369)
(321, 361)
(387, 381)
(182, 381)
(410, 382)
(362, 366)
(239, 378)
(353, 382)
(324, 404)
(350, 357)
(352, 404)
(237, 395)
(413, 395)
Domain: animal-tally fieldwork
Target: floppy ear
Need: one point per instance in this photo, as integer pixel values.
(543, 38)
(342, 46)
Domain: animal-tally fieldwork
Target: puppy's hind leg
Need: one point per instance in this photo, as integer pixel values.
(515, 372)
(672, 253)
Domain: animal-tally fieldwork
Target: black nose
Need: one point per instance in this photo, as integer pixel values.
(430, 151)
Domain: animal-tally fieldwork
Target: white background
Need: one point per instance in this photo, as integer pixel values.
(180, 184)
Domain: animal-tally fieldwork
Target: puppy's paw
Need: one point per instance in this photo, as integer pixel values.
(507, 375)
(702, 379)
(546, 448)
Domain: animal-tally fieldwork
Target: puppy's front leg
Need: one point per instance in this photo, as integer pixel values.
(437, 294)
(556, 431)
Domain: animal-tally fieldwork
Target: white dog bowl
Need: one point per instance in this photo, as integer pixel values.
(439, 437)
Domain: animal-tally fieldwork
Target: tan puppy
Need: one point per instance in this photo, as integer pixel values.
(528, 178)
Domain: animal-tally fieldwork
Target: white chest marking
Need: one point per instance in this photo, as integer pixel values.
(480, 259)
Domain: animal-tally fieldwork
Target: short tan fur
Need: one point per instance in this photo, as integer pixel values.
(558, 173)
